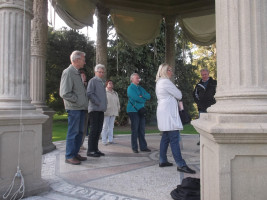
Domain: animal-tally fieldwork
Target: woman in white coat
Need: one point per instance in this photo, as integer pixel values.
(168, 118)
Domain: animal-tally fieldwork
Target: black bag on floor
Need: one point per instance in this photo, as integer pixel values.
(188, 190)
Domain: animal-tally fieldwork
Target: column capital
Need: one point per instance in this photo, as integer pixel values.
(18, 4)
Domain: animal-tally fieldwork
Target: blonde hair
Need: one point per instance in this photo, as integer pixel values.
(162, 71)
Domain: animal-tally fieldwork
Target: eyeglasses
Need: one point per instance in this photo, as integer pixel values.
(100, 72)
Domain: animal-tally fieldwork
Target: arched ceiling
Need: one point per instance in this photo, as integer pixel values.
(185, 8)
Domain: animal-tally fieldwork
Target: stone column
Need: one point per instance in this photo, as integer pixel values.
(170, 40)
(20, 123)
(38, 65)
(233, 142)
(101, 40)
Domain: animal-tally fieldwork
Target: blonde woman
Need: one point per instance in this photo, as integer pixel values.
(112, 111)
(169, 122)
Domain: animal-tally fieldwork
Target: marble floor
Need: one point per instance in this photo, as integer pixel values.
(119, 175)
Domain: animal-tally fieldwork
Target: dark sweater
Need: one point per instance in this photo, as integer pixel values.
(204, 96)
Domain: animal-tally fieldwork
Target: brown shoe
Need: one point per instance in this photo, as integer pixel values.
(80, 158)
(73, 161)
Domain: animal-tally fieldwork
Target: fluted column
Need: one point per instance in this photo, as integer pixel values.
(20, 123)
(241, 59)
(101, 40)
(233, 134)
(39, 31)
(170, 40)
(15, 55)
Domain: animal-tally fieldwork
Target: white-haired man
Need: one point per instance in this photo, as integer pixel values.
(96, 93)
(204, 92)
(73, 92)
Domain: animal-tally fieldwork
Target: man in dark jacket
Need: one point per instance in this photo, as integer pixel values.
(204, 92)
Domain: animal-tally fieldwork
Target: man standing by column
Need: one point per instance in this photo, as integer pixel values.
(96, 93)
(73, 92)
(204, 92)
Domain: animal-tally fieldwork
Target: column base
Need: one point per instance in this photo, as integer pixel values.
(20, 142)
(47, 130)
(233, 158)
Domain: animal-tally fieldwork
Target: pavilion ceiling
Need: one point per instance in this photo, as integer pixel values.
(184, 8)
(138, 21)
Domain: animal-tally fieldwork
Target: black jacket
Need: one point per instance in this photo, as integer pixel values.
(204, 97)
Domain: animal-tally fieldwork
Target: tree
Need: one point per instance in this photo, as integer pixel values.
(145, 61)
(123, 60)
(205, 57)
(186, 74)
(59, 47)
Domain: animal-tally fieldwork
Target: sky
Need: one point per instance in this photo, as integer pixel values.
(55, 21)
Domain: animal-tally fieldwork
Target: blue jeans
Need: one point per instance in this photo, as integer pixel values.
(75, 132)
(172, 138)
(138, 131)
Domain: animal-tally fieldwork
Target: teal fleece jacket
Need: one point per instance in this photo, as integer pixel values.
(135, 102)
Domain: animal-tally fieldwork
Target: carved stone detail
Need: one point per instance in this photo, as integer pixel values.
(39, 28)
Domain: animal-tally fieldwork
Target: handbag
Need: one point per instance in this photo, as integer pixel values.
(185, 117)
(141, 112)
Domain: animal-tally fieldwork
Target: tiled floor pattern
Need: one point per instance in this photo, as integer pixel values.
(120, 175)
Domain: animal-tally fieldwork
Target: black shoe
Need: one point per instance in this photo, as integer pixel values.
(198, 143)
(100, 153)
(93, 154)
(135, 151)
(186, 169)
(146, 150)
(165, 164)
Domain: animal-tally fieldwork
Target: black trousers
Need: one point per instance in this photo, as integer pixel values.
(96, 119)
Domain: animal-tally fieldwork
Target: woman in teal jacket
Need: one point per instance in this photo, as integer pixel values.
(137, 99)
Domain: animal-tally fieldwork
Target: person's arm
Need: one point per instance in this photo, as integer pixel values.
(118, 102)
(66, 85)
(195, 95)
(210, 92)
(133, 95)
(173, 90)
(91, 93)
(145, 94)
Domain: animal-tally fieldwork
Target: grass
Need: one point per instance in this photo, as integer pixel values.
(60, 127)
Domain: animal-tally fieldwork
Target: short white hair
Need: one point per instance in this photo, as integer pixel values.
(99, 66)
(134, 74)
(76, 55)
(204, 70)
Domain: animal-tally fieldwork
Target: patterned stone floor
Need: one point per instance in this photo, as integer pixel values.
(120, 175)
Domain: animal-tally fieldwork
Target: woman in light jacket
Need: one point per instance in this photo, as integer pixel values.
(112, 111)
(168, 118)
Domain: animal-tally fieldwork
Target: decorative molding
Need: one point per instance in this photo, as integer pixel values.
(17, 4)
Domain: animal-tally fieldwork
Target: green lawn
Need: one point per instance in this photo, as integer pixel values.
(60, 127)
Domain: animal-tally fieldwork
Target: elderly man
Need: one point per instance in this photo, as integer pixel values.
(96, 93)
(73, 92)
(137, 99)
(204, 92)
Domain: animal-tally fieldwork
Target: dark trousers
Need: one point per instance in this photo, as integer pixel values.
(138, 131)
(96, 119)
